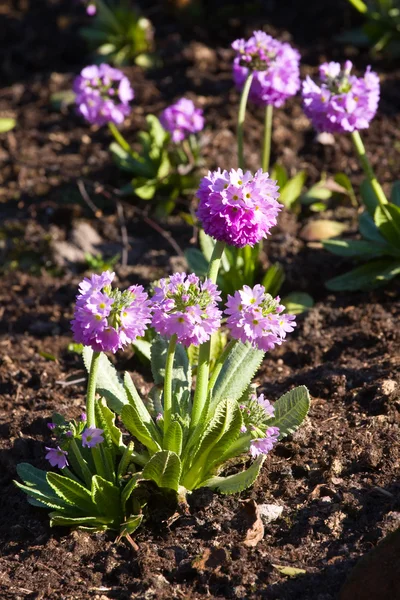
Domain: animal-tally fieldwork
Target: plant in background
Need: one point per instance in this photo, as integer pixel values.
(344, 103)
(381, 29)
(118, 33)
(102, 96)
(182, 439)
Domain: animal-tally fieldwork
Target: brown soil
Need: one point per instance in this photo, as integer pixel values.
(338, 477)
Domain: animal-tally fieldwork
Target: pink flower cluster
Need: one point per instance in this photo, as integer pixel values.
(103, 94)
(236, 207)
(255, 317)
(185, 307)
(341, 102)
(264, 445)
(107, 319)
(275, 68)
(181, 119)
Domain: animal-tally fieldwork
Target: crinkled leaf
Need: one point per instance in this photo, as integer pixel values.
(173, 438)
(239, 368)
(136, 401)
(113, 435)
(372, 275)
(108, 383)
(234, 484)
(135, 425)
(130, 525)
(164, 468)
(36, 479)
(92, 523)
(129, 488)
(106, 497)
(72, 492)
(290, 411)
(41, 499)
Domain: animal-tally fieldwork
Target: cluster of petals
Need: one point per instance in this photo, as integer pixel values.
(265, 444)
(186, 307)
(182, 119)
(275, 68)
(106, 319)
(92, 436)
(103, 94)
(255, 317)
(57, 457)
(341, 102)
(266, 405)
(236, 207)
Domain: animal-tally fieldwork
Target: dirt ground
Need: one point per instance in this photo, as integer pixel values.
(337, 478)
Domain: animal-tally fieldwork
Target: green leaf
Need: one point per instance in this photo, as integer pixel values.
(273, 279)
(62, 99)
(157, 133)
(93, 523)
(144, 188)
(135, 425)
(72, 492)
(279, 174)
(196, 261)
(368, 229)
(130, 525)
(132, 162)
(290, 411)
(107, 498)
(112, 434)
(343, 180)
(37, 498)
(236, 374)
(291, 191)
(35, 478)
(143, 348)
(108, 384)
(234, 484)
(357, 248)
(289, 571)
(7, 124)
(387, 220)
(321, 229)
(318, 191)
(128, 489)
(297, 303)
(136, 401)
(173, 438)
(368, 197)
(372, 275)
(395, 195)
(164, 468)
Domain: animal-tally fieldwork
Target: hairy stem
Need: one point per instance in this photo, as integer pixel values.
(368, 170)
(241, 117)
(168, 383)
(267, 137)
(91, 390)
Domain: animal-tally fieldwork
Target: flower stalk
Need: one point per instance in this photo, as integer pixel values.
(169, 367)
(368, 170)
(91, 390)
(241, 117)
(267, 137)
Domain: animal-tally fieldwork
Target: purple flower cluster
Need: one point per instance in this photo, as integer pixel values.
(103, 94)
(57, 457)
(255, 317)
(264, 445)
(275, 68)
(181, 119)
(185, 307)
(107, 319)
(266, 405)
(237, 207)
(341, 102)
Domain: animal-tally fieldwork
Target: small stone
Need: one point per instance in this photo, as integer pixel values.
(270, 512)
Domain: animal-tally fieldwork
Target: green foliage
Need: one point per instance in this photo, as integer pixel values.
(234, 484)
(164, 468)
(108, 383)
(290, 411)
(119, 35)
(98, 264)
(380, 228)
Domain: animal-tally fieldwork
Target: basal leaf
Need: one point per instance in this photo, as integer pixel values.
(291, 191)
(290, 411)
(36, 479)
(356, 248)
(107, 498)
(273, 279)
(297, 303)
(368, 197)
(234, 484)
(94, 523)
(72, 492)
(130, 525)
(372, 275)
(128, 489)
(136, 401)
(135, 425)
(113, 435)
(387, 220)
(395, 195)
(173, 438)
(108, 383)
(236, 374)
(196, 261)
(164, 468)
(41, 498)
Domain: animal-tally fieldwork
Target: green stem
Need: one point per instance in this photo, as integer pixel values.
(91, 390)
(267, 137)
(368, 170)
(119, 138)
(203, 370)
(359, 5)
(86, 472)
(241, 117)
(219, 364)
(169, 366)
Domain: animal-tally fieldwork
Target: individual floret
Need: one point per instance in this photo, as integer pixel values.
(265, 444)
(92, 436)
(57, 457)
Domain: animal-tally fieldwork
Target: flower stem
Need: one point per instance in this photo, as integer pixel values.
(241, 117)
(91, 390)
(119, 138)
(368, 170)
(267, 137)
(86, 472)
(168, 383)
(203, 370)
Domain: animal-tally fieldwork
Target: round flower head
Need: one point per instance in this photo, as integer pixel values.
(256, 317)
(103, 94)
(57, 457)
(181, 119)
(341, 102)
(107, 319)
(264, 445)
(275, 68)
(237, 207)
(186, 307)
